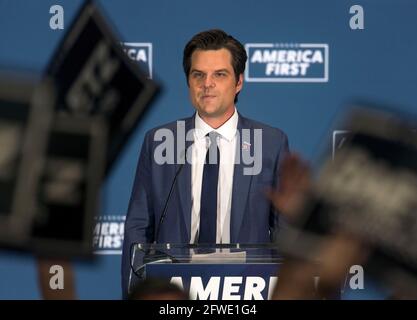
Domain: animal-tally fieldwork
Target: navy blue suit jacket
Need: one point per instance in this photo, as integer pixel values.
(253, 219)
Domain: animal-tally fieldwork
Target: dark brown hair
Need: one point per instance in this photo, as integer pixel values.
(214, 40)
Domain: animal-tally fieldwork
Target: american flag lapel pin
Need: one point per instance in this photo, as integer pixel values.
(246, 145)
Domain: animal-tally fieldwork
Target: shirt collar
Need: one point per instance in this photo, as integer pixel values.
(227, 130)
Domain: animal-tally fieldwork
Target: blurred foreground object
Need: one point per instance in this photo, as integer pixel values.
(25, 119)
(361, 209)
(93, 77)
(61, 136)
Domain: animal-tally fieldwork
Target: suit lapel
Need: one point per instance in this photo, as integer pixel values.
(241, 184)
(184, 181)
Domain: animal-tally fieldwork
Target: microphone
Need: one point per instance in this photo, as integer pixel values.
(164, 211)
(155, 254)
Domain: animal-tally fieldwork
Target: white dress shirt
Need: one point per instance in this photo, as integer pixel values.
(227, 148)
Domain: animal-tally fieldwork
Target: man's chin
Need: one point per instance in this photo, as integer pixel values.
(209, 111)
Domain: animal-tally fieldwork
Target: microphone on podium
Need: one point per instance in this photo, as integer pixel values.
(164, 211)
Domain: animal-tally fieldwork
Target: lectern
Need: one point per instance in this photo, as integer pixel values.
(210, 272)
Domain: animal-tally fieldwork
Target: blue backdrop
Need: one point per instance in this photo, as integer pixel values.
(376, 63)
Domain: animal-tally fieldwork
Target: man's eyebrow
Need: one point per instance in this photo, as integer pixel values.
(219, 70)
(222, 70)
(196, 70)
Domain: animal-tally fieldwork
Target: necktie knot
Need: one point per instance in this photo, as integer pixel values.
(213, 135)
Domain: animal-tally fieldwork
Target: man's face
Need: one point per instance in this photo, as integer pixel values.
(212, 83)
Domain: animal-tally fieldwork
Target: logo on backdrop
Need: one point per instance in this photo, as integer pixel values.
(141, 52)
(108, 234)
(287, 62)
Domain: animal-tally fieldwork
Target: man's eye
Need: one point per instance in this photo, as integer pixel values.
(197, 75)
(220, 74)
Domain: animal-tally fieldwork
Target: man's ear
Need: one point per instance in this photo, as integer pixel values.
(239, 83)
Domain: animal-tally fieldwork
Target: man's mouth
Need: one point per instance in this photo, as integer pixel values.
(208, 96)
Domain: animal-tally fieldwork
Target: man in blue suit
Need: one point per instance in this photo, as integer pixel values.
(217, 163)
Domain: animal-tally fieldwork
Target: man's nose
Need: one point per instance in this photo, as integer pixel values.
(209, 82)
